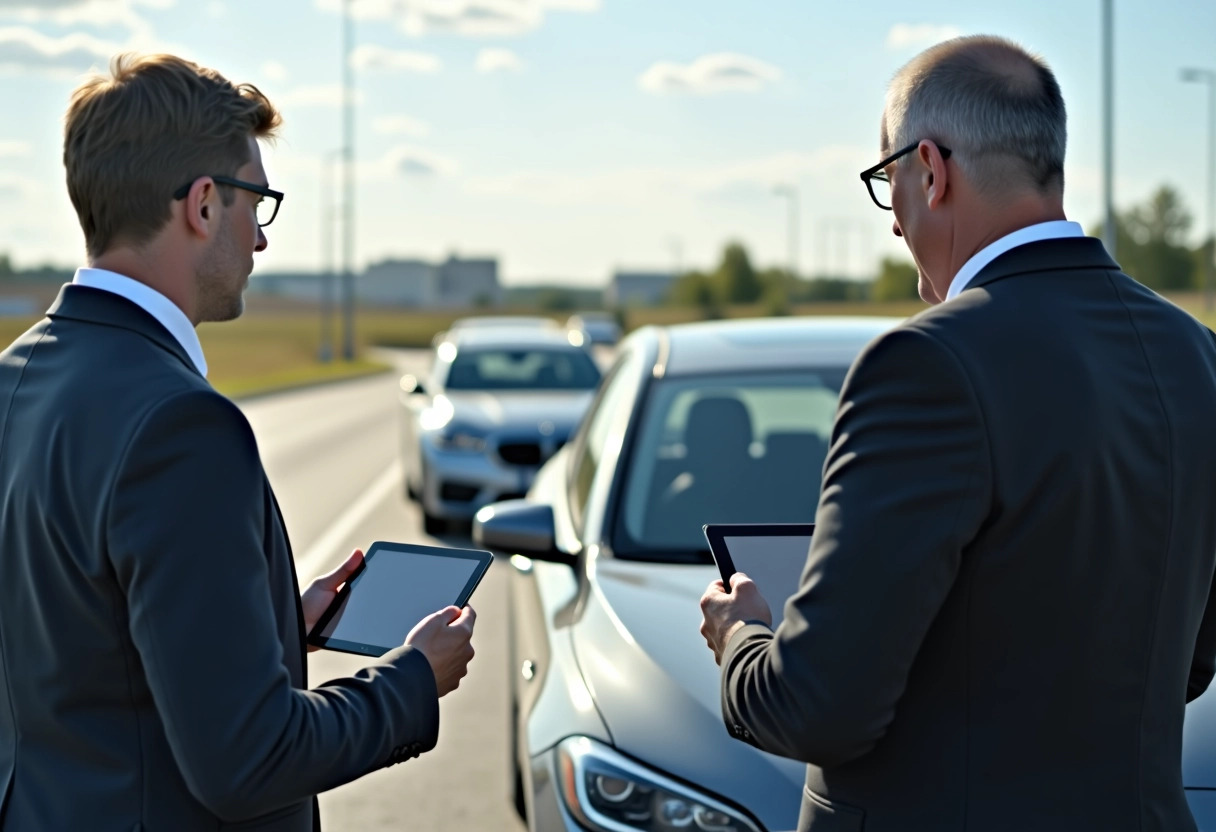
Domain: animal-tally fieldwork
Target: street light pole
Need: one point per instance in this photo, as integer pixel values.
(348, 204)
(329, 215)
(791, 193)
(1208, 76)
(1109, 229)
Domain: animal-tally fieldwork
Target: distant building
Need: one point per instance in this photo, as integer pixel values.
(638, 288)
(469, 283)
(455, 283)
(398, 283)
(298, 285)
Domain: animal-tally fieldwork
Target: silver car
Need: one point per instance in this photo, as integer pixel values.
(615, 707)
(498, 402)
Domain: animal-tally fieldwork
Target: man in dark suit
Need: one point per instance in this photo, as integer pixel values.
(152, 654)
(1006, 605)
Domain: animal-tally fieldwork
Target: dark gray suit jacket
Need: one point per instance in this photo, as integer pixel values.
(152, 657)
(1007, 600)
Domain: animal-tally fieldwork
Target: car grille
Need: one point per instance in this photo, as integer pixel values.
(454, 492)
(521, 453)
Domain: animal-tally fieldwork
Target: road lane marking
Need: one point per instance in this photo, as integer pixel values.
(324, 555)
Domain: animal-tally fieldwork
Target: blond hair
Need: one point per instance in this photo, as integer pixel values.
(154, 124)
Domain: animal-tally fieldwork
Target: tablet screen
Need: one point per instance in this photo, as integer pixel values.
(774, 563)
(396, 590)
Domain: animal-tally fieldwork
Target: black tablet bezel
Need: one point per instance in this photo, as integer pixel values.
(716, 534)
(317, 640)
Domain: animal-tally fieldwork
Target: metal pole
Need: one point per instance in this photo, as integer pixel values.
(348, 148)
(793, 232)
(1208, 76)
(1109, 230)
(1209, 245)
(791, 193)
(329, 215)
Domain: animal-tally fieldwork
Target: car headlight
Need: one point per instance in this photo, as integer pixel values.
(607, 791)
(458, 438)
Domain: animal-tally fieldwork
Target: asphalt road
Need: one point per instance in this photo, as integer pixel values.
(331, 453)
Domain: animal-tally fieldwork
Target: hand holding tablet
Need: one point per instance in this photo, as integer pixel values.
(402, 590)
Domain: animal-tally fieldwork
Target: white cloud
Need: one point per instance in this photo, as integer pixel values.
(275, 71)
(99, 13)
(571, 5)
(498, 60)
(373, 58)
(316, 95)
(720, 72)
(29, 50)
(407, 160)
(400, 126)
(470, 18)
(9, 149)
(14, 186)
(919, 35)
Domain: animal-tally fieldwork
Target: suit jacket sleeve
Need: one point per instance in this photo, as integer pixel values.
(906, 486)
(185, 536)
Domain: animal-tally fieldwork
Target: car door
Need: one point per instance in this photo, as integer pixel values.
(539, 591)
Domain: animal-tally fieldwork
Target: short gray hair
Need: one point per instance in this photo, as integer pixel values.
(995, 105)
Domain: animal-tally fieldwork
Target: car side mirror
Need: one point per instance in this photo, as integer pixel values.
(519, 527)
(410, 385)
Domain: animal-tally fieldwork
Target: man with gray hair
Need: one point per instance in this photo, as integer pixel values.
(1007, 603)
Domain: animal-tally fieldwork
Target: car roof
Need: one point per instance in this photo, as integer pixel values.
(512, 337)
(771, 343)
(503, 321)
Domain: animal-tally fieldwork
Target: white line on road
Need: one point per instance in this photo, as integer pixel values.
(323, 554)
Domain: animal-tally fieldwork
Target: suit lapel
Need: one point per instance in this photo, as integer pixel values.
(1047, 256)
(97, 306)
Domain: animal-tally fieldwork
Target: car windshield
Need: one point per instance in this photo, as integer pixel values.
(724, 449)
(522, 369)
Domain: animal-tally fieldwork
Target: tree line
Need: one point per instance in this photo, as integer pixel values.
(1151, 246)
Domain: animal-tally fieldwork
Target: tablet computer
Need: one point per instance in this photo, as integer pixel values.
(397, 585)
(773, 555)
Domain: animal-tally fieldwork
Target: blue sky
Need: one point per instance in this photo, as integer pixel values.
(572, 137)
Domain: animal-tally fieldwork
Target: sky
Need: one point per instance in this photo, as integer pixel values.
(571, 138)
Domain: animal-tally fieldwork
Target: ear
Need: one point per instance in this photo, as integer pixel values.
(201, 207)
(934, 175)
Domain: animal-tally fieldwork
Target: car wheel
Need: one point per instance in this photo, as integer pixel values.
(517, 775)
(433, 525)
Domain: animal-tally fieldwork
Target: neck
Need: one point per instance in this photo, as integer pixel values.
(164, 274)
(982, 227)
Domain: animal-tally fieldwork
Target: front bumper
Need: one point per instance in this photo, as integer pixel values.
(457, 484)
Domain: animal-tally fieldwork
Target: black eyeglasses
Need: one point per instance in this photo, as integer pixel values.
(879, 184)
(267, 208)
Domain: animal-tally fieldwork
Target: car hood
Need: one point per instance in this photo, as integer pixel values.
(656, 685)
(527, 411)
(1198, 749)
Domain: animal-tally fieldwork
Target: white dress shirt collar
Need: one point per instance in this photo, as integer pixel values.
(154, 303)
(1053, 230)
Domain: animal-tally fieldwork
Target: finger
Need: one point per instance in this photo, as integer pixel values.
(739, 579)
(336, 578)
(442, 617)
(464, 620)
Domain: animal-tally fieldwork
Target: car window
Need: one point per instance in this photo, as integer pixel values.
(617, 394)
(725, 449)
(522, 369)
